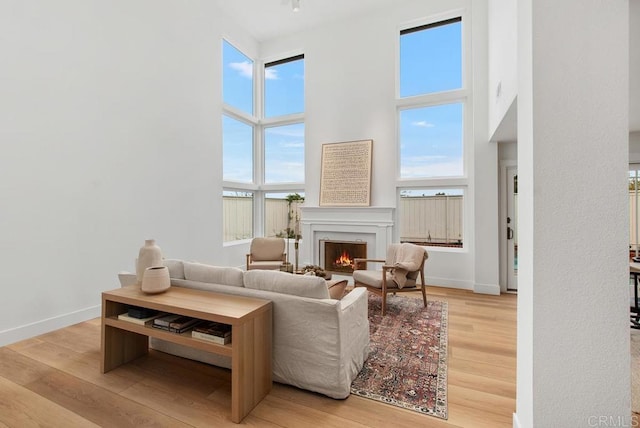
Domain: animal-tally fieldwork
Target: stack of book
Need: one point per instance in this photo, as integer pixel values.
(176, 323)
(138, 315)
(140, 312)
(213, 332)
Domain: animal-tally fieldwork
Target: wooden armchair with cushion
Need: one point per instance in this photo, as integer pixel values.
(400, 271)
(266, 253)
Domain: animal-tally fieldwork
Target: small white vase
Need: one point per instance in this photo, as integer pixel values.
(155, 280)
(149, 255)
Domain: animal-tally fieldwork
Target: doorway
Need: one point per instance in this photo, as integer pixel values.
(512, 228)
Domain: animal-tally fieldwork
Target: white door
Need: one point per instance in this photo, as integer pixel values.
(512, 228)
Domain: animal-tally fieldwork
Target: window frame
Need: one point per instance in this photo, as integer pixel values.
(462, 96)
(259, 123)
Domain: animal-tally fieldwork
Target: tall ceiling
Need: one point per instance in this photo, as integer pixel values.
(268, 19)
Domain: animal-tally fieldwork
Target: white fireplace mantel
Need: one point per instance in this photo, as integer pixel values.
(371, 224)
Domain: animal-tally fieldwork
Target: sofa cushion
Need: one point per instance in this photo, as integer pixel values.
(373, 278)
(287, 283)
(176, 269)
(213, 274)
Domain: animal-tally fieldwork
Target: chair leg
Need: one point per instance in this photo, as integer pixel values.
(384, 291)
(424, 291)
(384, 303)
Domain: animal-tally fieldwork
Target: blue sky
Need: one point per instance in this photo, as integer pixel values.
(284, 94)
(430, 137)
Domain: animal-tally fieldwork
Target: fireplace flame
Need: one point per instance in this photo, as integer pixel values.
(344, 260)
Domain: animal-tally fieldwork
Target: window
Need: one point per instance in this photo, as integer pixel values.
(432, 102)
(284, 141)
(433, 217)
(284, 154)
(237, 150)
(237, 78)
(431, 142)
(237, 215)
(282, 214)
(431, 58)
(284, 87)
(262, 150)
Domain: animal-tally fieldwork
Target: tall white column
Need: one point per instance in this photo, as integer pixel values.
(485, 167)
(573, 298)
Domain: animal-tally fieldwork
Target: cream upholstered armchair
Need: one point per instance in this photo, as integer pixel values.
(400, 271)
(266, 253)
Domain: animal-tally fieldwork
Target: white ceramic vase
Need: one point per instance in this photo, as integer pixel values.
(155, 280)
(149, 255)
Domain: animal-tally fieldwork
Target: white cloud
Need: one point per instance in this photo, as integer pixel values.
(286, 131)
(292, 145)
(422, 124)
(285, 172)
(411, 160)
(451, 168)
(245, 68)
(271, 74)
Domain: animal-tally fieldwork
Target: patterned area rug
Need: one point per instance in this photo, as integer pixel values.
(407, 365)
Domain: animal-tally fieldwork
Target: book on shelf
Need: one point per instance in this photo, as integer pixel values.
(175, 323)
(213, 331)
(140, 312)
(183, 324)
(210, 338)
(165, 320)
(136, 320)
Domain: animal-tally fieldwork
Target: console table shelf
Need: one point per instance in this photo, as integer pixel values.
(249, 350)
(180, 338)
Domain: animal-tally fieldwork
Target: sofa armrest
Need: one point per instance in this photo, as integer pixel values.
(127, 278)
(354, 334)
(354, 297)
(354, 317)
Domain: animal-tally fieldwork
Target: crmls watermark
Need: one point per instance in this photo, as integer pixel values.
(613, 421)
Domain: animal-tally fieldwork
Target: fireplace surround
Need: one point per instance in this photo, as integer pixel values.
(370, 225)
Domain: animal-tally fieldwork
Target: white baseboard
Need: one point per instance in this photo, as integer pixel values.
(17, 334)
(449, 283)
(487, 289)
(516, 422)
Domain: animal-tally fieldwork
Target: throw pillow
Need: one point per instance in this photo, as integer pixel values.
(176, 270)
(224, 275)
(287, 283)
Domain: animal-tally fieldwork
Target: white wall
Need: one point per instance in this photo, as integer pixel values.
(484, 170)
(573, 326)
(503, 59)
(350, 77)
(110, 134)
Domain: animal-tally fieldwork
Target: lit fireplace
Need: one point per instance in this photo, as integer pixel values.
(339, 255)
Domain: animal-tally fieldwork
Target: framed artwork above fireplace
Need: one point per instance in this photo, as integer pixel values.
(345, 177)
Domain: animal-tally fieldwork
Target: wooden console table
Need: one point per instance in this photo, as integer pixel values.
(250, 347)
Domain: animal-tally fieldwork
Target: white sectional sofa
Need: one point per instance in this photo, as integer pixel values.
(319, 343)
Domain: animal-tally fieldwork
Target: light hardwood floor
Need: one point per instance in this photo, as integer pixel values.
(54, 380)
